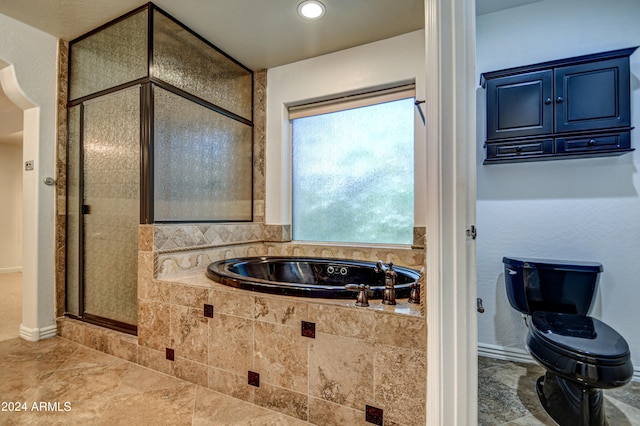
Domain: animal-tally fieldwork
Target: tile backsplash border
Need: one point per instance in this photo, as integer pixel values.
(180, 237)
(185, 248)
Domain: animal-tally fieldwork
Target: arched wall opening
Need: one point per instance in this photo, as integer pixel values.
(11, 131)
(28, 74)
(11, 87)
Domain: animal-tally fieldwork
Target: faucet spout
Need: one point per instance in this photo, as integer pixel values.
(390, 279)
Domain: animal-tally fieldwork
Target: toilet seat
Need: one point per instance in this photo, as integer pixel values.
(580, 348)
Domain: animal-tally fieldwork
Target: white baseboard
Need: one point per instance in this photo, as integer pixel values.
(10, 270)
(503, 352)
(35, 334)
(520, 355)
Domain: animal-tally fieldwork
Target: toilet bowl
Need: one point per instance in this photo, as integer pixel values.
(582, 355)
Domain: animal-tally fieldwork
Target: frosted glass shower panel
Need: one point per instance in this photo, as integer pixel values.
(188, 63)
(203, 163)
(73, 211)
(112, 56)
(112, 205)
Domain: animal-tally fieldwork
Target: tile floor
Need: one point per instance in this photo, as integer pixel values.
(82, 386)
(10, 304)
(102, 389)
(72, 384)
(507, 396)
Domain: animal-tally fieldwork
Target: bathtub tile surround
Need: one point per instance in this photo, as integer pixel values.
(231, 344)
(344, 379)
(262, 333)
(179, 237)
(184, 248)
(111, 342)
(277, 233)
(280, 311)
(280, 355)
(419, 236)
(190, 337)
(360, 356)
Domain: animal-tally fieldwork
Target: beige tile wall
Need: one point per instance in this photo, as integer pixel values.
(61, 178)
(360, 356)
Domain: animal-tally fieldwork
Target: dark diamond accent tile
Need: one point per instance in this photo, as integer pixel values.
(170, 354)
(374, 415)
(309, 329)
(254, 379)
(208, 311)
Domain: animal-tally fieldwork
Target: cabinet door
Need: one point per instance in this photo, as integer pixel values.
(520, 105)
(592, 96)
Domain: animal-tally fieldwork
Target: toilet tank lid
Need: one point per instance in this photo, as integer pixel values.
(566, 265)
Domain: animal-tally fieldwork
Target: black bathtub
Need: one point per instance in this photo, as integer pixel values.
(307, 276)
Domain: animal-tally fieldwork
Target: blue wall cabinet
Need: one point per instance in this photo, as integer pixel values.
(576, 107)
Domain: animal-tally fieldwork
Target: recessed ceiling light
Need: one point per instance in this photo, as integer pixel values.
(311, 9)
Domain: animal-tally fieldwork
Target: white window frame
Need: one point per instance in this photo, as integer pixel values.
(344, 103)
(352, 101)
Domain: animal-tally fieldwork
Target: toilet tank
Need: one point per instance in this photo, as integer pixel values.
(551, 285)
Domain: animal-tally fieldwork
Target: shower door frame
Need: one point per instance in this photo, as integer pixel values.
(144, 200)
(147, 84)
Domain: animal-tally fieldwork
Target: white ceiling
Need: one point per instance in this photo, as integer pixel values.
(258, 33)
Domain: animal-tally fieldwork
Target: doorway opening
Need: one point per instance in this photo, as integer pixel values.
(11, 148)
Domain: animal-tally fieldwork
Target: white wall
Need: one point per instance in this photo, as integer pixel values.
(28, 60)
(11, 213)
(583, 209)
(375, 65)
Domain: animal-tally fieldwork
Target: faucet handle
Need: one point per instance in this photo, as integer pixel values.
(363, 295)
(414, 296)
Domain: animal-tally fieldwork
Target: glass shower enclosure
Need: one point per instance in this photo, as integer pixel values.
(160, 130)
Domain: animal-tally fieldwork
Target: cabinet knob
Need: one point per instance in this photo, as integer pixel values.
(591, 142)
(547, 101)
(559, 99)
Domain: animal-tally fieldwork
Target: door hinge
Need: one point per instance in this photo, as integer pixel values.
(472, 232)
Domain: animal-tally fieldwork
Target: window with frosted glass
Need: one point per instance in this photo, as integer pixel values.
(188, 63)
(202, 163)
(115, 55)
(353, 175)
